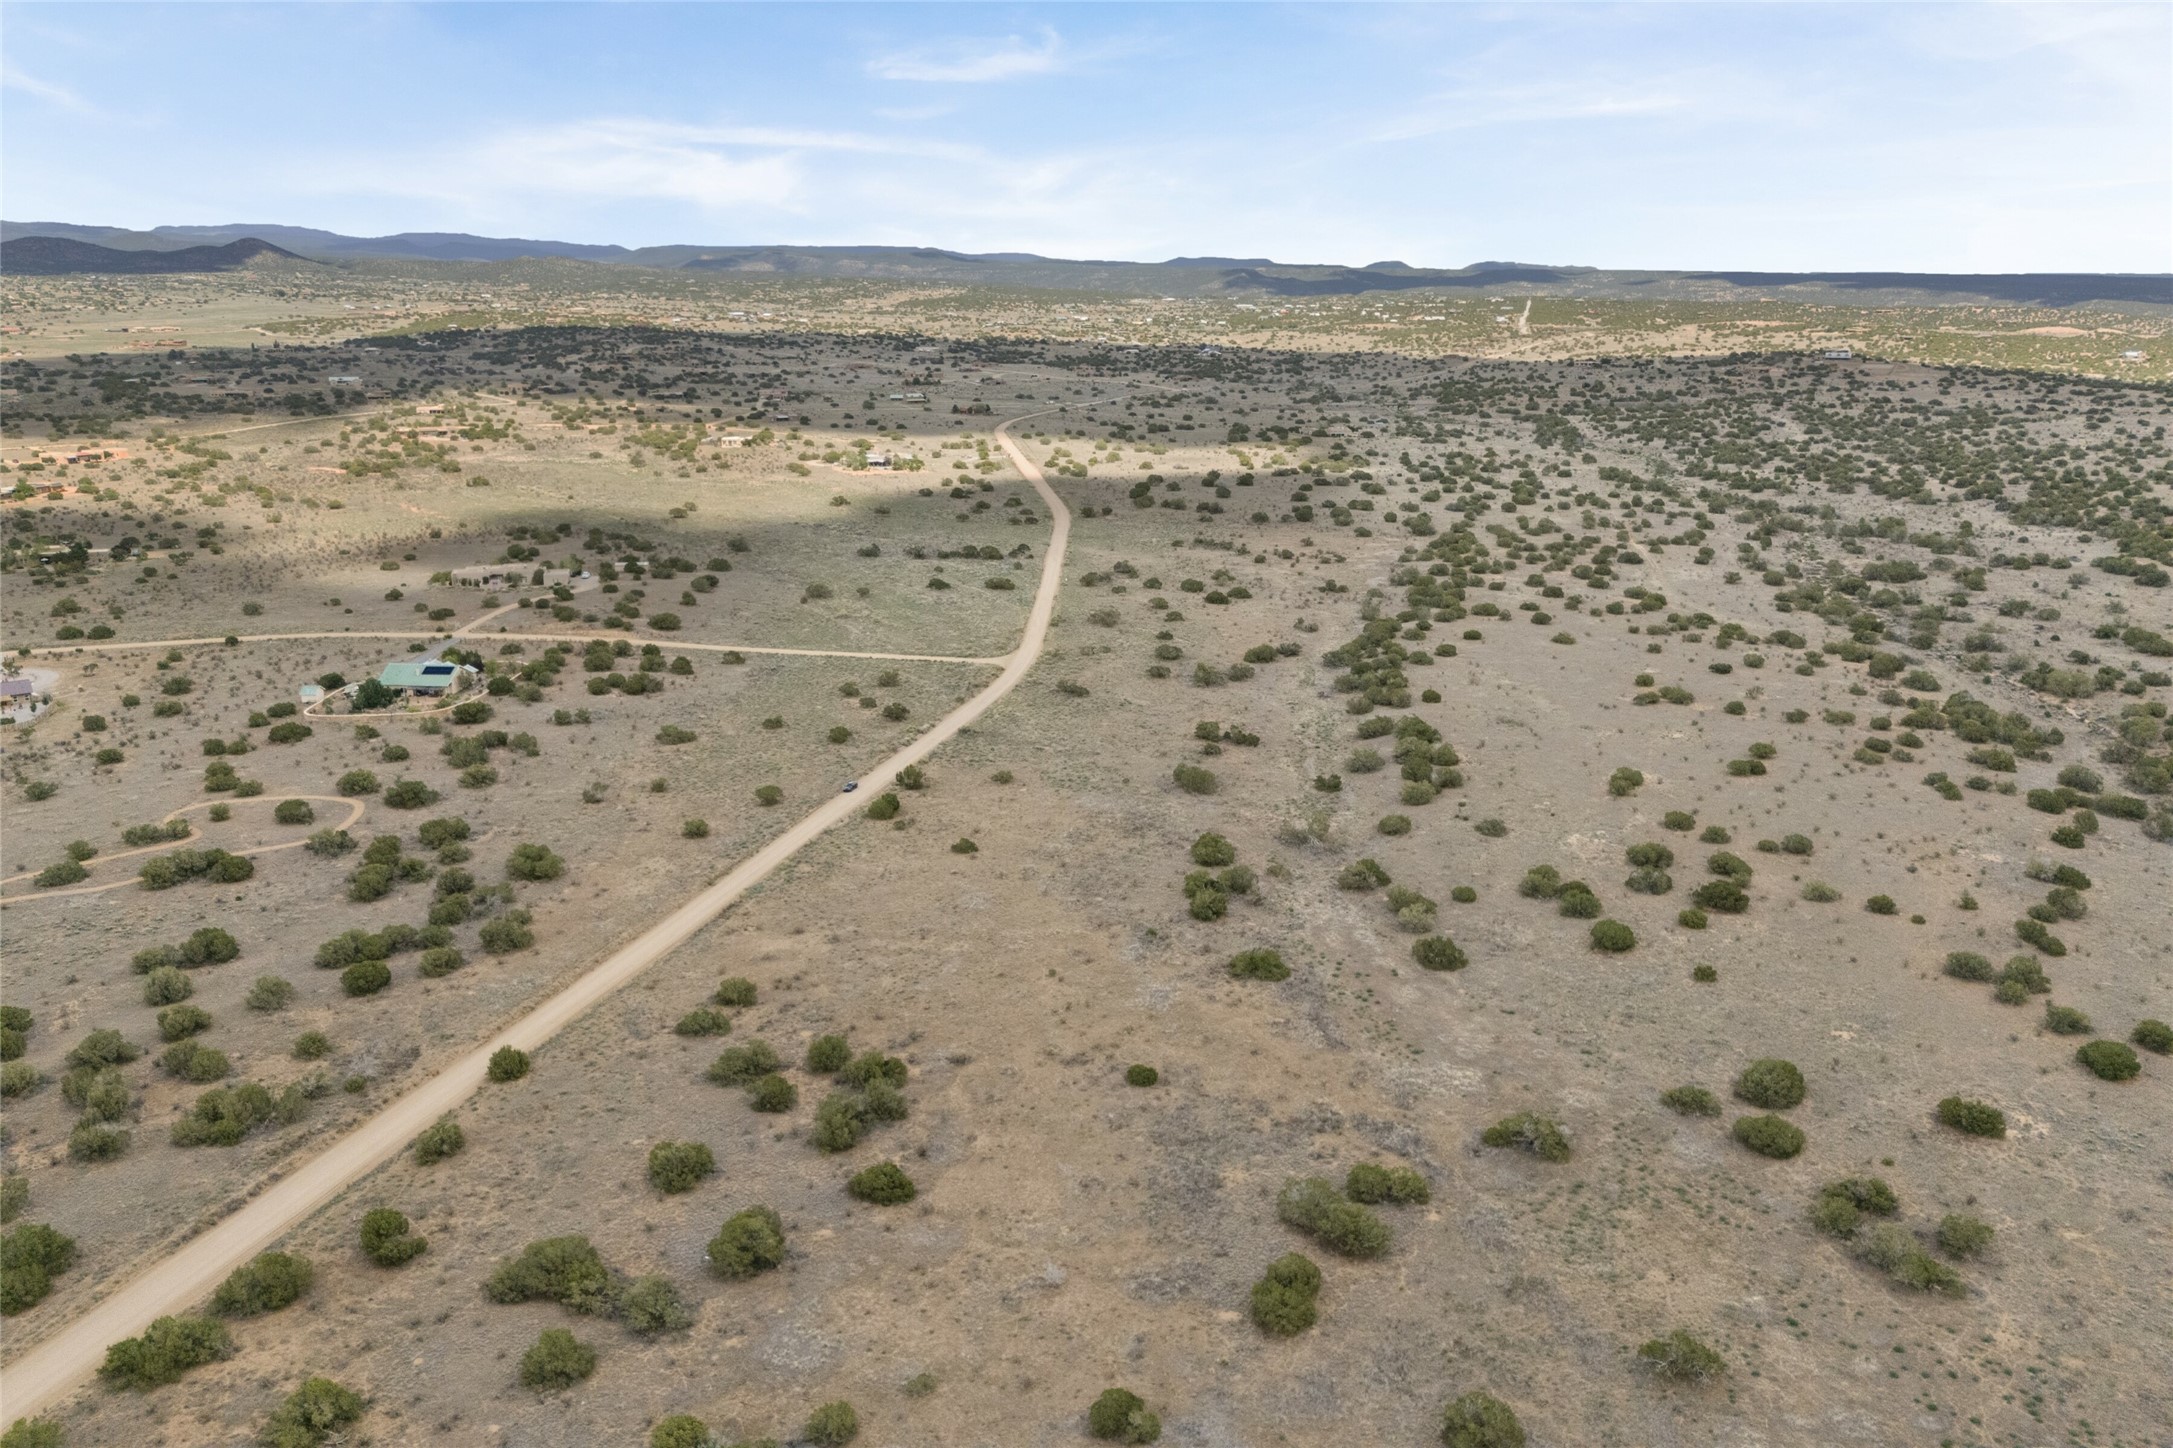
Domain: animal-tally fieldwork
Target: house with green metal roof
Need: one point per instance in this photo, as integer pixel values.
(423, 676)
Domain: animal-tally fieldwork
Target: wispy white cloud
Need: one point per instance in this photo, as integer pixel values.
(974, 62)
(45, 90)
(1471, 108)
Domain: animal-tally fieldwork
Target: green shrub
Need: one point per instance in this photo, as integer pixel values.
(439, 1141)
(1438, 952)
(680, 1430)
(1370, 1185)
(1314, 1207)
(1577, 901)
(189, 1060)
(365, 977)
(440, 961)
(556, 1361)
(652, 1305)
(840, 1120)
(1141, 1076)
(1968, 965)
(19, 1079)
(1679, 1357)
(1723, 897)
(387, 1239)
(507, 1063)
(1963, 1237)
(1120, 1416)
(1480, 1420)
(1283, 1299)
(2153, 1035)
(1624, 781)
(533, 862)
(1260, 964)
(1974, 1118)
(1213, 851)
(772, 1093)
(91, 1142)
(1194, 780)
(272, 1281)
(1894, 1250)
(1540, 882)
(734, 990)
(1612, 936)
(312, 1046)
(565, 1270)
(1772, 1084)
(738, 1065)
(311, 1414)
(2033, 932)
(34, 1433)
(1769, 1136)
(1836, 1216)
(703, 1021)
(1676, 819)
(832, 1425)
(828, 1054)
(679, 1166)
(168, 1348)
(165, 986)
(31, 1256)
(882, 1184)
(871, 1066)
(2109, 1060)
(2066, 1020)
(1690, 1101)
(1539, 1135)
(749, 1242)
(223, 1115)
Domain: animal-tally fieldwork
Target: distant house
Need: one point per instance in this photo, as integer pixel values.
(424, 676)
(1837, 354)
(12, 690)
(2133, 354)
(878, 460)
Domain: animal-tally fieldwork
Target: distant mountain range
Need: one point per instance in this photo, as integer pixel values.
(52, 248)
(46, 256)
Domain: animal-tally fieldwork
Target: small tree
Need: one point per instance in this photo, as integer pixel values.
(1260, 964)
(439, 1141)
(828, 1054)
(556, 1361)
(749, 1242)
(1973, 1118)
(832, 1425)
(1539, 1135)
(2110, 1060)
(883, 1185)
(679, 1166)
(1121, 1416)
(272, 1281)
(1773, 1084)
(311, 1414)
(1480, 1420)
(1769, 1135)
(387, 1239)
(1283, 1299)
(1679, 1357)
(507, 1063)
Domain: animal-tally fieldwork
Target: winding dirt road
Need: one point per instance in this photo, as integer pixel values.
(44, 1376)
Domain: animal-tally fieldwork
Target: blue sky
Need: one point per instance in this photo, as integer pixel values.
(1861, 136)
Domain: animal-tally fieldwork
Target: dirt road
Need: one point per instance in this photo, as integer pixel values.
(47, 1373)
